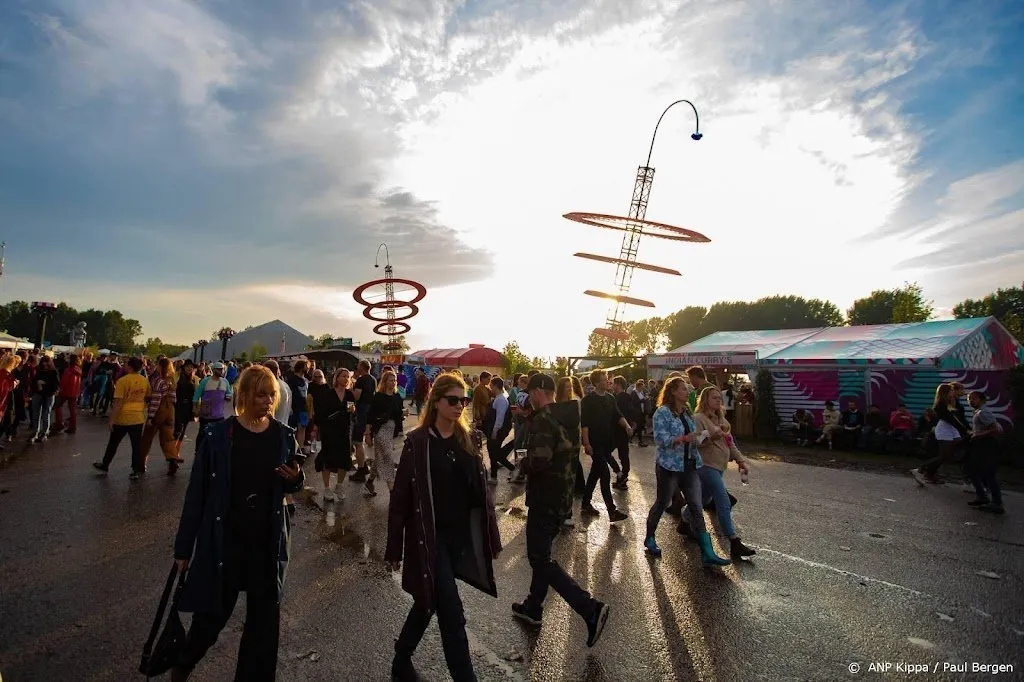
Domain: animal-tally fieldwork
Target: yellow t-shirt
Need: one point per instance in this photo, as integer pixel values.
(132, 390)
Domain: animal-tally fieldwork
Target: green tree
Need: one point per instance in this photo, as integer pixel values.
(322, 341)
(377, 345)
(258, 351)
(110, 328)
(684, 326)
(561, 366)
(516, 361)
(1006, 305)
(891, 306)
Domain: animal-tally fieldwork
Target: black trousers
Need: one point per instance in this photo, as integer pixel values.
(252, 573)
(117, 434)
(451, 619)
(599, 471)
(499, 453)
(541, 530)
(623, 448)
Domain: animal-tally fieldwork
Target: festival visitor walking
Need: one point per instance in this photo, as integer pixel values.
(549, 466)
(386, 412)
(600, 417)
(334, 423)
(70, 387)
(127, 418)
(234, 534)
(676, 465)
(45, 385)
(441, 526)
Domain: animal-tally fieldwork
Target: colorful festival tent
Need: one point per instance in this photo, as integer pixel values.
(472, 360)
(884, 364)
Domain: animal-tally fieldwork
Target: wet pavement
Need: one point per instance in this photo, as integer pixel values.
(851, 568)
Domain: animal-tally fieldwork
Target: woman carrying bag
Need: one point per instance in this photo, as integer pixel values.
(234, 533)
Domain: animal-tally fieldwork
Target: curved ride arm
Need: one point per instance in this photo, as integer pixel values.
(696, 135)
(387, 256)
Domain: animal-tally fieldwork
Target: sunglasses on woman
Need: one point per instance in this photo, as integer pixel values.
(454, 400)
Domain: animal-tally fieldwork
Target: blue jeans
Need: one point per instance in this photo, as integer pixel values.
(668, 483)
(712, 483)
(40, 415)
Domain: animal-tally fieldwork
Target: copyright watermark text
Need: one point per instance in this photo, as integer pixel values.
(913, 668)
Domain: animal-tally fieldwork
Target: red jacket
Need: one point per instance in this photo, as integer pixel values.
(411, 537)
(6, 386)
(901, 422)
(71, 382)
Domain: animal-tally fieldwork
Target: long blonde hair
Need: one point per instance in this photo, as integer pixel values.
(10, 362)
(702, 402)
(442, 384)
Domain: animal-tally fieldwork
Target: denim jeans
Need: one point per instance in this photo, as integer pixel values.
(40, 415)
(668, 483)
(451, 619)
(712, 483)
(541, 530)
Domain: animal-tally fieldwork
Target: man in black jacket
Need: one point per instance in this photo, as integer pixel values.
(627, 407)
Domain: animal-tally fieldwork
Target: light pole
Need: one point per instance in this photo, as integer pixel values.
(44, 311)
(195, 352)
(202, 350)
(224, 335)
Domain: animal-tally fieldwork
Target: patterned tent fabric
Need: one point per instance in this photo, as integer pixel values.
(976, 343)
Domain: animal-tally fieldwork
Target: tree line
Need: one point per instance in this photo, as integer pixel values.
(882, 306)
(105, 328)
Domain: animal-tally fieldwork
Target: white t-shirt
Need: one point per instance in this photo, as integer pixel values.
(945, 431)
(284, 402)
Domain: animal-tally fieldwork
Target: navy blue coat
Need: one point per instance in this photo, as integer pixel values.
(201, 531)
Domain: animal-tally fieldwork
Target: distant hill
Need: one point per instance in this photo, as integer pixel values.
(268, 335)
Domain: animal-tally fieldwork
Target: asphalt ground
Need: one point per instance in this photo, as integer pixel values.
(853, 568)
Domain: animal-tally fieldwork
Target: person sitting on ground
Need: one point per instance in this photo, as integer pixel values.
(853, 423)
(926, 431)
(805, 430)
(901, 422)
(830, 425)
(875, 430)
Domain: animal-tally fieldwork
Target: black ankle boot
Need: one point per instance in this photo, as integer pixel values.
(402, 669)
(738, 550)
(684, 529)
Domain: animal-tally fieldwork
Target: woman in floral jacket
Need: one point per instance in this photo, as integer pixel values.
(677, 462)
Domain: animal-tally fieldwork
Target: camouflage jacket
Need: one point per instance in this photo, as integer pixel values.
(550, 459)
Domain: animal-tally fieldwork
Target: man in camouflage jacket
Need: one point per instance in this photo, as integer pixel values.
(549, 468)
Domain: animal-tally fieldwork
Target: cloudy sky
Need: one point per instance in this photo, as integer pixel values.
(226, 162)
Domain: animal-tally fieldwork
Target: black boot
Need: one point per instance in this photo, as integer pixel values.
(684, 529)
(738, 550)
(402, 669)
(360, 475)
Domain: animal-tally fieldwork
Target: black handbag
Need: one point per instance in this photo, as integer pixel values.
(161, 657)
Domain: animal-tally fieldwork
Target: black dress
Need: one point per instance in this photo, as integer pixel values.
(335, 424)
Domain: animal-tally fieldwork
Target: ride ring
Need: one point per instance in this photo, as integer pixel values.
(377, 329)
(421, 292)
(645, 227)
(391, 305)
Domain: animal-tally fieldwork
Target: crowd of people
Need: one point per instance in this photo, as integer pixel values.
(257, 425)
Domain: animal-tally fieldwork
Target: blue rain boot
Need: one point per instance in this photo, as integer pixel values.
(707, 552)
(651, 545)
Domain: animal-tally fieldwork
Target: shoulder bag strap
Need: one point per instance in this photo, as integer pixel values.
(147, 649)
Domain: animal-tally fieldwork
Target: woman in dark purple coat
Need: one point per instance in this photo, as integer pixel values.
(441, 525)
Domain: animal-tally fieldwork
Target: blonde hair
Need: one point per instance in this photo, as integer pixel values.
(337, 375)
(254, 380)
(702, 402)
(387, 374)
(564, 391)
(10, 362)
(442, 384)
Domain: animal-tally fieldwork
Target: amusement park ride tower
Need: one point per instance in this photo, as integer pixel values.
(391, 325)
(634, 226)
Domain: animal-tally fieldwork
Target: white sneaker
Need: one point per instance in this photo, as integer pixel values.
(329, 495)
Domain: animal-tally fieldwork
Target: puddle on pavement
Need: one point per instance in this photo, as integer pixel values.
(517, 512)
(350, 539)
